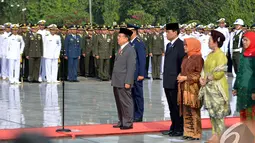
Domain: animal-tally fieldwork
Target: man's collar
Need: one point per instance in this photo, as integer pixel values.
(133, 39)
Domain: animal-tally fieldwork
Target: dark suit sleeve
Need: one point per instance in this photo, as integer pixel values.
(141, 56)
(181, 53)
(79, 51)
(66, 45)
(131, 63)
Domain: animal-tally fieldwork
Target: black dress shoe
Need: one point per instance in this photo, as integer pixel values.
(185, 137)
(176, 134)
(76, 81)
(192, 139)
(116, 126)
(138, 120)
(167, 132)
(159, 79)
(147, 77)
(126, 128)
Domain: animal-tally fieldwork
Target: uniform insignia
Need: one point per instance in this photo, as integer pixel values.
(155, 37)
(71, 39)
(19, 40)
(39, 37)
(138, 40)
(108, 40)
(31, 38)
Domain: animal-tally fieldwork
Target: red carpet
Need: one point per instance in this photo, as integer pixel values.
(103, 129)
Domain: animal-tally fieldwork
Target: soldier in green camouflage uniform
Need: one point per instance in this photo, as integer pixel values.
(63, 73)
(87, 53)
(104, 53)
(94, 51)
(156, 52)
(81, 33)
(34, 53)
(25, 61)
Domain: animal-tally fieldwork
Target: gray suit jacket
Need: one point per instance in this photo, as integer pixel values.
(124, 67)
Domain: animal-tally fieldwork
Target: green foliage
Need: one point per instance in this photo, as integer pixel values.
(109, 11)
(139, 17)
(238, 9)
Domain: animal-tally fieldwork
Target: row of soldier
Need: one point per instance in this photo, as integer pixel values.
(90, 51)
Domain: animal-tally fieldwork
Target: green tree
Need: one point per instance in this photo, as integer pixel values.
(139, 17)
(111, 11)
(234, 9)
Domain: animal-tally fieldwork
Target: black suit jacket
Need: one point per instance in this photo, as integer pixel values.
(172, 64)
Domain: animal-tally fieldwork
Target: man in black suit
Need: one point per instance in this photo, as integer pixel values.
(123, 79)
(172, 67)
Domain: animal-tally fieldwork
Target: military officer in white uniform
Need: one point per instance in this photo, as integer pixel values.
(14, 51)
(3, 54)
(43, 32)
(188, 33)
(204, 39)
(51, 52)
(8, 28)
(225, 32)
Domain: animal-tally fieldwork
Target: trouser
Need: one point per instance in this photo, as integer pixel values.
(137, 94)
(72, 68)
(125, 107)
(25, 68)
(192, 122)
(156, 66)
(4, 68)
(177, 120)
(63, 70)
(34, 68)
(81, 66)
(147, 66)
(236, 61)
(42, 70)
(14, 70)
(51, 66)
(218, 125)
(87, 65)
(96, 62)
(104, 68)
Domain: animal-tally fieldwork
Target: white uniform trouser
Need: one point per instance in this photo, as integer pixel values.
(51, 66)
(42, 75)
(14, 70)
(4, 68)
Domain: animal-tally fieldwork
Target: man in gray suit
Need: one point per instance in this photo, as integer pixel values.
(123, 78)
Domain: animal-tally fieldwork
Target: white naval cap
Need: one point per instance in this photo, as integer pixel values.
(53, 26)
(239, 22)
(14, 26)
(8, 24)
(2, 27)
(221, 20)
(41, 22)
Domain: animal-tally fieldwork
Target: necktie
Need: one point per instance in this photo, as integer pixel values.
(119, 51)
(168, 46)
